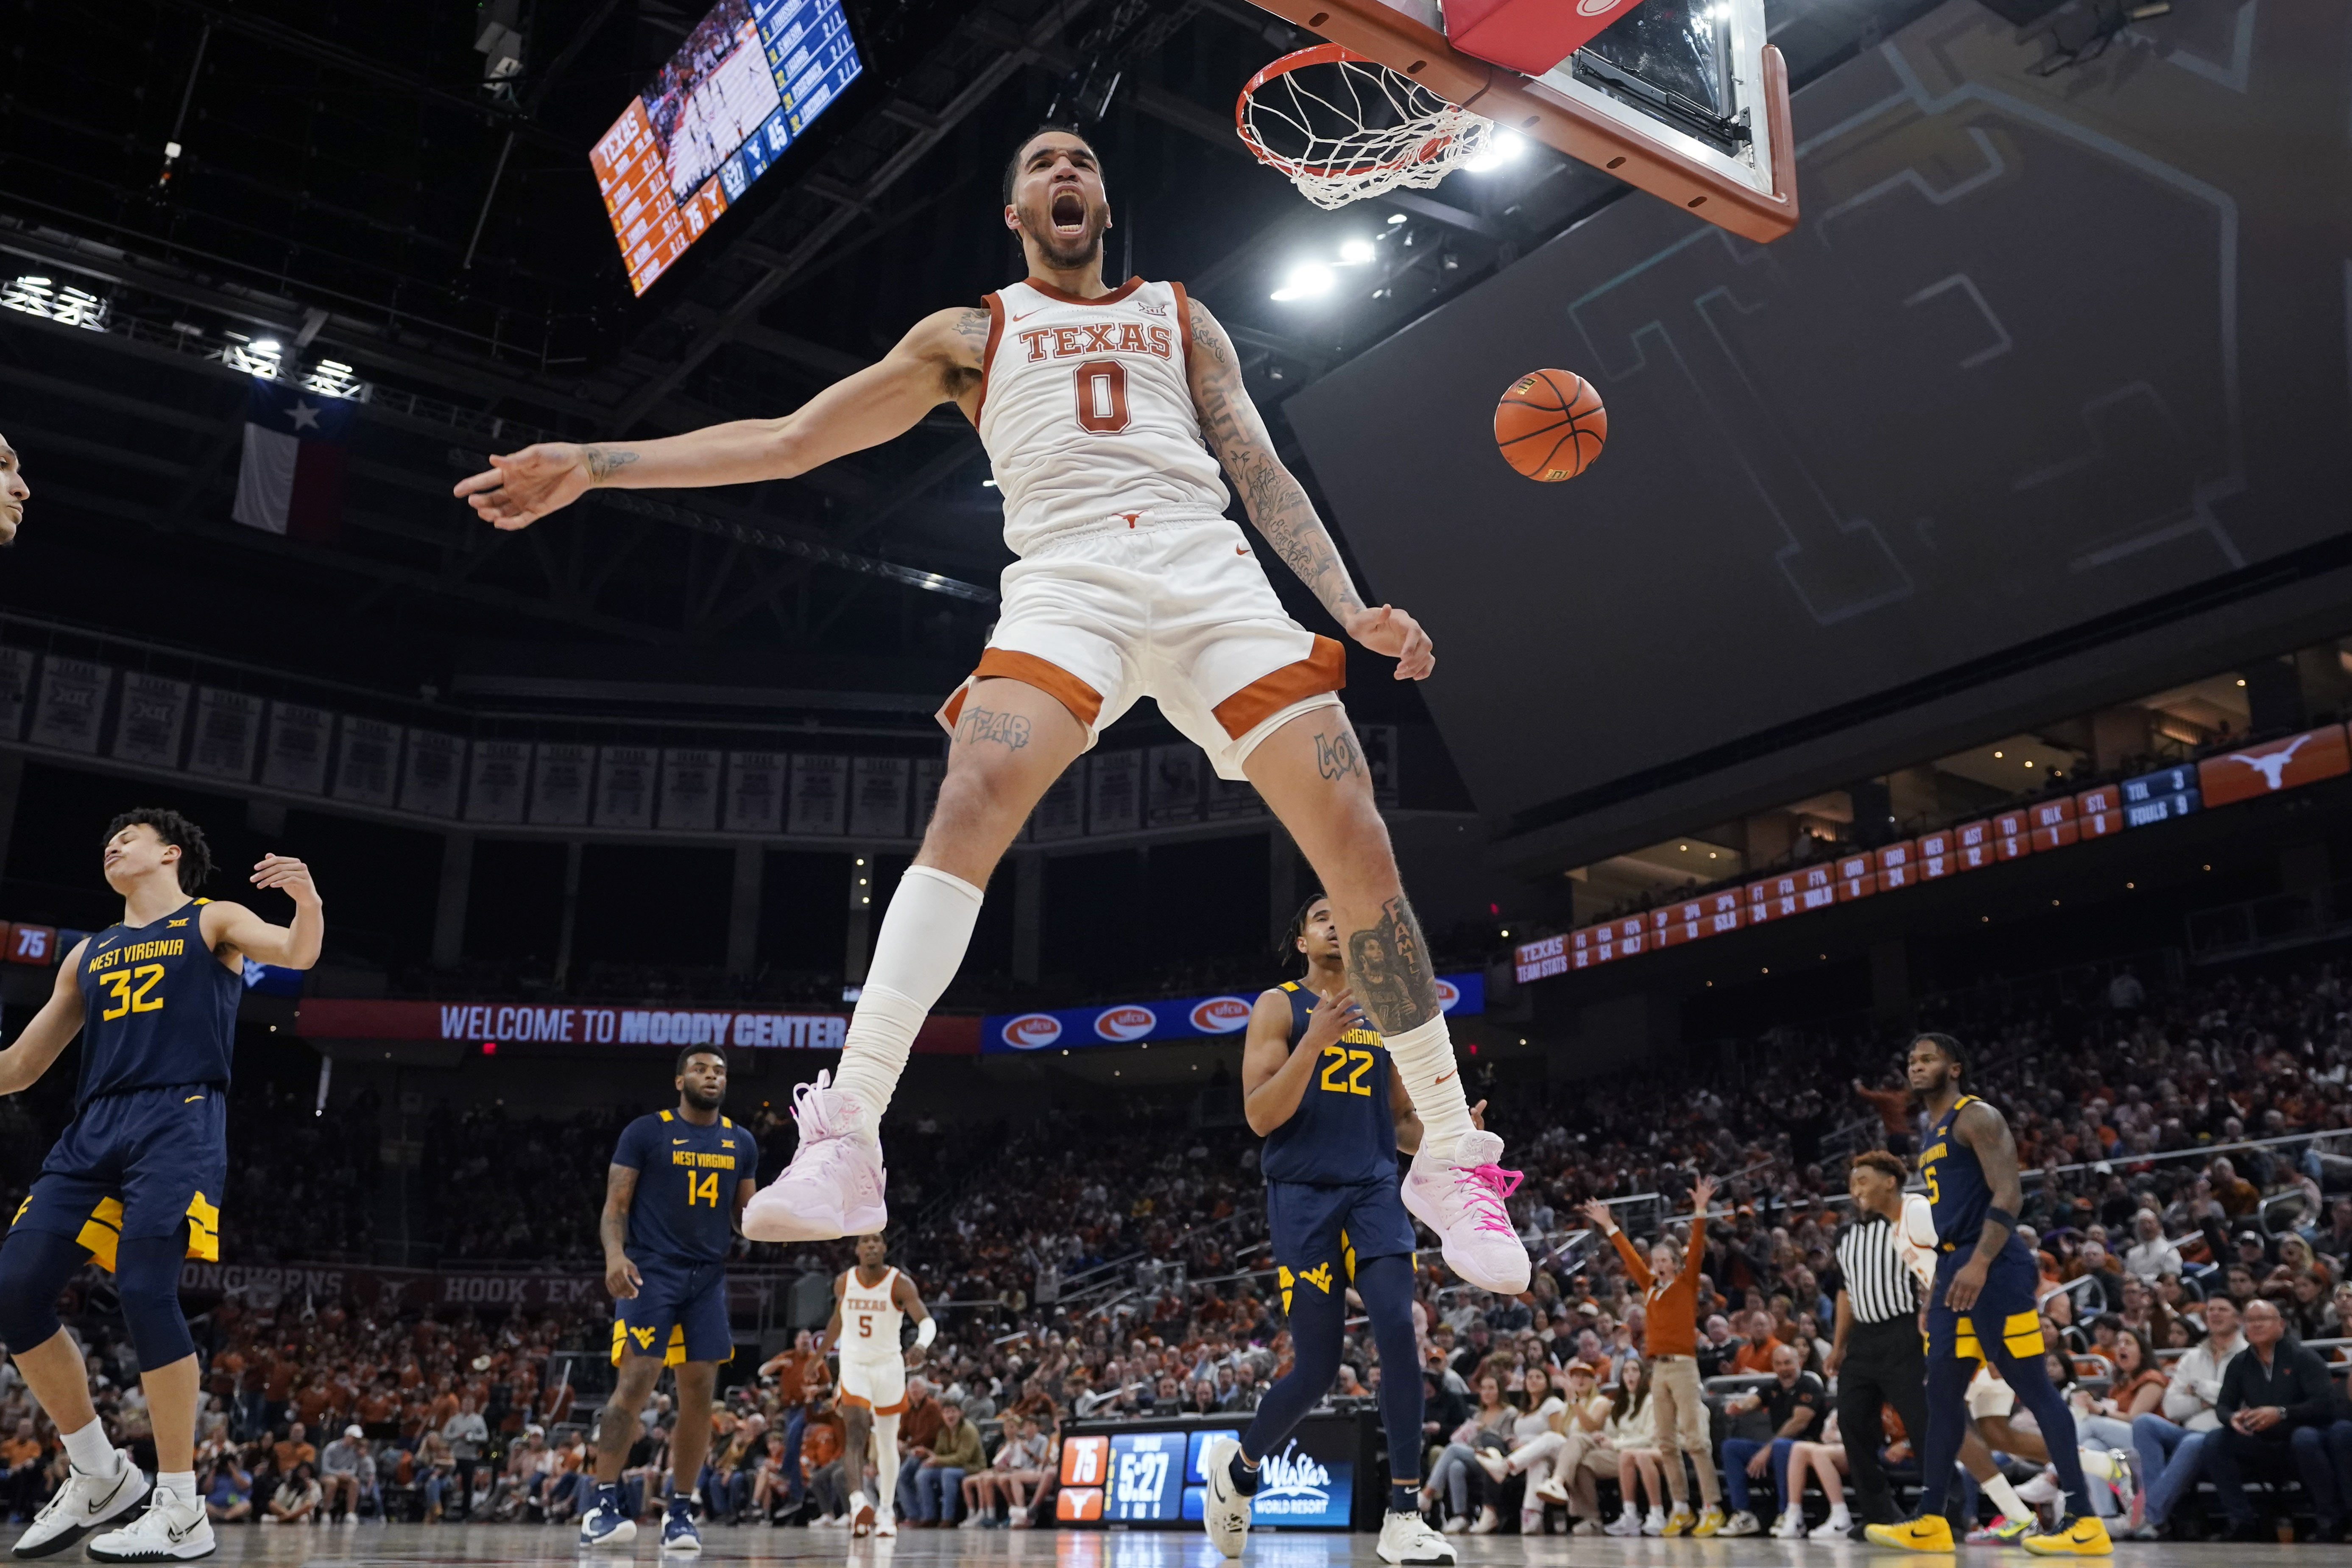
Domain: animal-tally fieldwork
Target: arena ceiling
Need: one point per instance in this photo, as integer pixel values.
(350, 187)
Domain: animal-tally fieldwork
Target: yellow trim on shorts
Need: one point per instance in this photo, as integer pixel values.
(674, 1357)
(102, 1232)
(2020, 1335)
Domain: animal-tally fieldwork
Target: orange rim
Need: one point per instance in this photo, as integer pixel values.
(1325, 54)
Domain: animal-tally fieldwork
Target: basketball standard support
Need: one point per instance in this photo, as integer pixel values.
(1382, 31)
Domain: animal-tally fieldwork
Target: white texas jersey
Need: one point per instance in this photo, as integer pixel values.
(870, 1319)
(1087, 414)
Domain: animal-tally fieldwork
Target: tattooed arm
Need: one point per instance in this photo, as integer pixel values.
(937, 362)
(1277, 504)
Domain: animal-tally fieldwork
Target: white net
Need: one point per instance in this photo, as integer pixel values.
(1343, 127)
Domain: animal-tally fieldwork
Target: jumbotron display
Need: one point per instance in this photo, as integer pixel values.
(747, 80)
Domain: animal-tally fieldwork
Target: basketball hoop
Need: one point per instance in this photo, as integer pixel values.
(1343, 127)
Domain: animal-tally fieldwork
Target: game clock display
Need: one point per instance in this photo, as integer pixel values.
(747, 80)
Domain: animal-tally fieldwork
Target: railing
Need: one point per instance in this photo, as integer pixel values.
(2270, 925)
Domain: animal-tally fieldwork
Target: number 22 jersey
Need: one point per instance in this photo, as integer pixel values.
(684, 1207)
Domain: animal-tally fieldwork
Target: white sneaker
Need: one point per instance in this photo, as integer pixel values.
(834, 1185)
(1626, 1523)
(1488, 1522)
(1496, 1466)
(1456, 1524)
(1834, 1527)
(974, 1521)
(1462, 1200)
(1790, 1526)
(175, 1529)
(861, 1514)
(1656, 1524)
(1406, 1538)
(885, 1528)
(1224, 1512)
(1586, 1527)
(82, 1505)
(1741, 1523)
(1551, 1491)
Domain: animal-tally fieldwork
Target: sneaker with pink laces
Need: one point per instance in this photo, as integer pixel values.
(1462, 1200)
(833, 1186)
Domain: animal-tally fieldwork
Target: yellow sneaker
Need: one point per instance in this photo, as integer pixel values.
(2083, 1535)
(1678, 1522)
(1929, 1533)
(1708, 1524)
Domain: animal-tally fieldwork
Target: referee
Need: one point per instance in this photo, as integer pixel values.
(1876, 1356)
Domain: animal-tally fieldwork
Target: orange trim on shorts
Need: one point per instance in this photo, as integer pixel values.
(862, 1402)
(1325, 669)
(995, 304)
(1084, 701)
(1183, 323)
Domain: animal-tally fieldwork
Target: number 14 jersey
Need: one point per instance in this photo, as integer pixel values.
(1086, 413)
(684, 1208)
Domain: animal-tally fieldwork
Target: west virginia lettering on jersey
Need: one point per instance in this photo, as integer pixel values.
(1097, 337)
(167, 947)
(689, 1157)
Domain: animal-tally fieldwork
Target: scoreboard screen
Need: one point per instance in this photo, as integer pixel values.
(745, 83)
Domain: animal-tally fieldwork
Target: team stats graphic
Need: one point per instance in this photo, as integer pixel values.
(747, 81)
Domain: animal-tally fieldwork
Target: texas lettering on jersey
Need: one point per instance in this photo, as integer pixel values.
(1080, 340)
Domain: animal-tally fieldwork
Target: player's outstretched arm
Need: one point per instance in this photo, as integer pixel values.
(50, 1032)
(233, 928)
(621, 1276)
(939, 360)
(1279, 506)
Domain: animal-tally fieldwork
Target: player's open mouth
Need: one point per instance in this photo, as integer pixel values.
(1069, 212)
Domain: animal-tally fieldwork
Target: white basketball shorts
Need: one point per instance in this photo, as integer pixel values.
(880, 1385)
(1176, 609)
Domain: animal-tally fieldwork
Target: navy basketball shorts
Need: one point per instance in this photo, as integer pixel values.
(679, 1313)
(2004, 1312)
(1321, 1232)
(137, 1164)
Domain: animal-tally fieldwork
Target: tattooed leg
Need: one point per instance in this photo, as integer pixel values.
(1312, 775)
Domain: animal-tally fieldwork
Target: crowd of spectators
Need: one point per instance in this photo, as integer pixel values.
(1117, 1266)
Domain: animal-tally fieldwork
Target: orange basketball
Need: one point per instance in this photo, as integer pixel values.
(1550, 425)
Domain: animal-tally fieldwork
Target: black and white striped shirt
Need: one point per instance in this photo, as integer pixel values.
(1881, 1284)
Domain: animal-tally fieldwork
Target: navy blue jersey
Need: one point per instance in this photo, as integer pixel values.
(158, 1009)
(1956, 1189)
(1342, 1131)
(683, 1210)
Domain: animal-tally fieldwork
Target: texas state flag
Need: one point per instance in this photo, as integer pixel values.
(291, 478)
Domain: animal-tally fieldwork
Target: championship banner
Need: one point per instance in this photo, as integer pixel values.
(343, 1018)
(368, 767)
(72, 703)
(1189, 1018)
(228, 734)
(433, 774)
(689, 793)
(626, 779)
(296, 755)
(154, 716)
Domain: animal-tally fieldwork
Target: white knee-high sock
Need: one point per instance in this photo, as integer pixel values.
(886, 1464)
(1424, 1057)
(2004, 1497)
(924, 934)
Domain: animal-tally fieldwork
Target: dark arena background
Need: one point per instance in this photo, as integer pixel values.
(1954, 636)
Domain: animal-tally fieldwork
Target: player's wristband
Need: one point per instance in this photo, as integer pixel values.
(2001, 1218)
(925, 1332)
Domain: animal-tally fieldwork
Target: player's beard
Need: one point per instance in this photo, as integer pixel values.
(701, 1100)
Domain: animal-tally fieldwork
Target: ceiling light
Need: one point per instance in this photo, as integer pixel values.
(1306, 280)
(1501, 148)
(2029, 762)
(2241, 680)
(1355, 252)
(1395, 218)
(988, 484)
(1995, 753)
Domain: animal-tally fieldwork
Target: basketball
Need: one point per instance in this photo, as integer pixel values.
(1550, 425)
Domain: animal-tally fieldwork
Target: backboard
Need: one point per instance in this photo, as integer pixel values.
(1682, 99)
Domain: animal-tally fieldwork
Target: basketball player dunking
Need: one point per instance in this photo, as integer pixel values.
(1314, 1082)
(871, 1304)
(674, 1197)
(134, 1181)
(1106, 412)
(1982, 1307)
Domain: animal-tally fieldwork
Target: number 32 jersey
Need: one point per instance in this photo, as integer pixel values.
(1086, 413)
(684, 1207)
(158, 1008)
